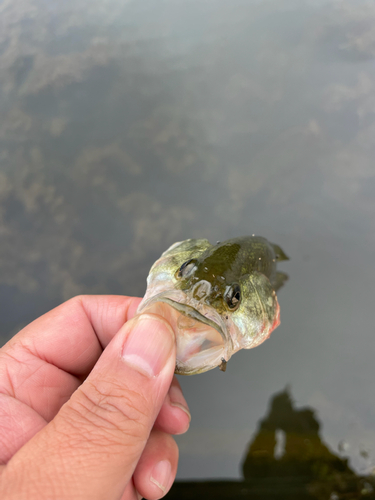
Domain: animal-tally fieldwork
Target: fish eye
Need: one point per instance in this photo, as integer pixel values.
(232, 296)
(186, 269)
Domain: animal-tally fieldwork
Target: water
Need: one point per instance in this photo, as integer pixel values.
(126, 126)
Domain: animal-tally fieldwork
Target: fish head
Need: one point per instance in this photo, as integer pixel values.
(214, 304)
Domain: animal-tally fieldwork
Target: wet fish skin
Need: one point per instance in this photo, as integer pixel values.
(203, 274)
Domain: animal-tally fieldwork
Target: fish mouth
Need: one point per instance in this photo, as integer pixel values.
(191, 312)
(202, 337)
(188, 306)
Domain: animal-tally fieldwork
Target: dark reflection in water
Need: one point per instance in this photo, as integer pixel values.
(286, 459)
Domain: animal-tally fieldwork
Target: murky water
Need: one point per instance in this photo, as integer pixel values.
(126, 126)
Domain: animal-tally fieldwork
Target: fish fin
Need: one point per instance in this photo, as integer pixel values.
(279, 280)
(280, 254)
(223, 365)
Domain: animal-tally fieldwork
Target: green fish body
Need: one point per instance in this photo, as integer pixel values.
(219, 298)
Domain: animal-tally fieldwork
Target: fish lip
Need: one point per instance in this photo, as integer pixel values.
(189, 307)
(191, 312)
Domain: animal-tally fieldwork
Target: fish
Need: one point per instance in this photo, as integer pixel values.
(219, 298)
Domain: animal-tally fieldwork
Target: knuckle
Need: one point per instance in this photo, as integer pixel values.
(111, 409)
(74, 301)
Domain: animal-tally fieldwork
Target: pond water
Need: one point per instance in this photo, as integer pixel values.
(127, 126)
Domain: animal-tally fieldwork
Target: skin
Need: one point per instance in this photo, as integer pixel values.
(226, 262)
(209, 276)
(78, 421)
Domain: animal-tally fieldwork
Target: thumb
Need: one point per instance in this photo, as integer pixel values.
(92, 446)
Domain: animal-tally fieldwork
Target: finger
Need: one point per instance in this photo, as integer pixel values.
(131, 493)
(157, 467)
(94, 443)
(19, 423)
(174, 416)
(72, 336)
(44, 364)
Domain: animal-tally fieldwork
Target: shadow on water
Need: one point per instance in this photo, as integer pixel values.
(286, 459)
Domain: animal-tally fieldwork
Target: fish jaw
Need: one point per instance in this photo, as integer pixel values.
(202, 339)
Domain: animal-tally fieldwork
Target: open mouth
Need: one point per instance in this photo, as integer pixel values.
(201, 341)
(190, 312)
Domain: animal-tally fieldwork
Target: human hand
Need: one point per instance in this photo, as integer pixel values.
(77, 422)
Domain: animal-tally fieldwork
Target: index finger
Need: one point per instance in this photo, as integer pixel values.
(44, 363)
(73, 335)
